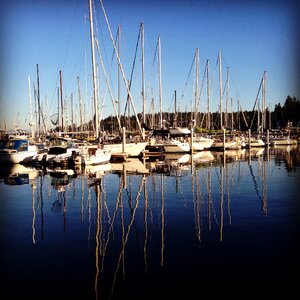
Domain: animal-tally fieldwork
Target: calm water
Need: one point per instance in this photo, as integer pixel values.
(148, 230)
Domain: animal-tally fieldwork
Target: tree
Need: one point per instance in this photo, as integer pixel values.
(289, 112)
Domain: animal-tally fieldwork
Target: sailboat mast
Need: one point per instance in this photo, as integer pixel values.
(119, 75)
(143, 72)
(231, 114)
(160, 85)
(227, 95)
(38, 96)
(220, 86)
(175, 109)
(80, 104)
(61, 102)
(72, 113)
(196, 86)
(58, 108)
(35, 108)
(263, 112)
(122, 72)
(94, 69)
(30, 108)
(208, 96)
(152, 113)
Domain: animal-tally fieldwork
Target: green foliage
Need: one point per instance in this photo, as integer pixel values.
(289, 112)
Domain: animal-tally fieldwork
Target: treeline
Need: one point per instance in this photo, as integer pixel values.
(289, 112)
(280, 118)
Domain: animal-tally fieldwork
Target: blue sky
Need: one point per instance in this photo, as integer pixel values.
(253, 36)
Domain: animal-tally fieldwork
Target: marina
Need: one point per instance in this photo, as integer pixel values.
(143, 229)
(149, 150)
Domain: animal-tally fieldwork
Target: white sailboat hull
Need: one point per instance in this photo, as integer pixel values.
(99, 158)
(14, 157)
(16, 151)
(175, 146)
(283, 141)
(203, 142)
(131, 149)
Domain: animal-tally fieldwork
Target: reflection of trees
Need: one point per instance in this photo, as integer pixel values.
(288, 156)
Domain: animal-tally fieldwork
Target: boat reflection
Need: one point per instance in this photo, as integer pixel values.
(60, 178)
(177, 159)
(288, 155)
(202, 157)
(131, 166)
(255, 152)
(18, 174)
(136, 213)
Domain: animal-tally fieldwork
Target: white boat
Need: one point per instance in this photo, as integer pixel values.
(131, 149)
(175, 146)
(179, 131)
(17, 150)
(198, 146)
(205, 142)
(255, 142)
(219, 144)
(93, 155)
(285, 148)
(61, 150)
(276, 141)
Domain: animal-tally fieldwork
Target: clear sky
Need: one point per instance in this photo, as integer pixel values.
(253, 37)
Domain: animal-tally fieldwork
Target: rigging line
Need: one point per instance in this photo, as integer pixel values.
(186, 83)
(152, 71)
(99, 29)
(225, 87)
(253, 109)
(105, 56)
(113, 54)
(213, 77)
(122, 72)
(169, 109)
(132, 70)
(69, 35)
(254, 181)
(107, 75)
(54, 90)
(108, 86)
(232, 83)
(200, 92)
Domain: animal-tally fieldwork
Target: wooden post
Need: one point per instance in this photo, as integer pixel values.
(123, 139)
(223, 139)
(124, 176)
(249, 138)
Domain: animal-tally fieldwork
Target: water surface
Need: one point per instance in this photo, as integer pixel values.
(187, 225)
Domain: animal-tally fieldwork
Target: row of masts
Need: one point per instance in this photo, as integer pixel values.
(195, 105)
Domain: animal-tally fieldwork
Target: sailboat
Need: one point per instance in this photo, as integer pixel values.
(129, 149)
(93, 155)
